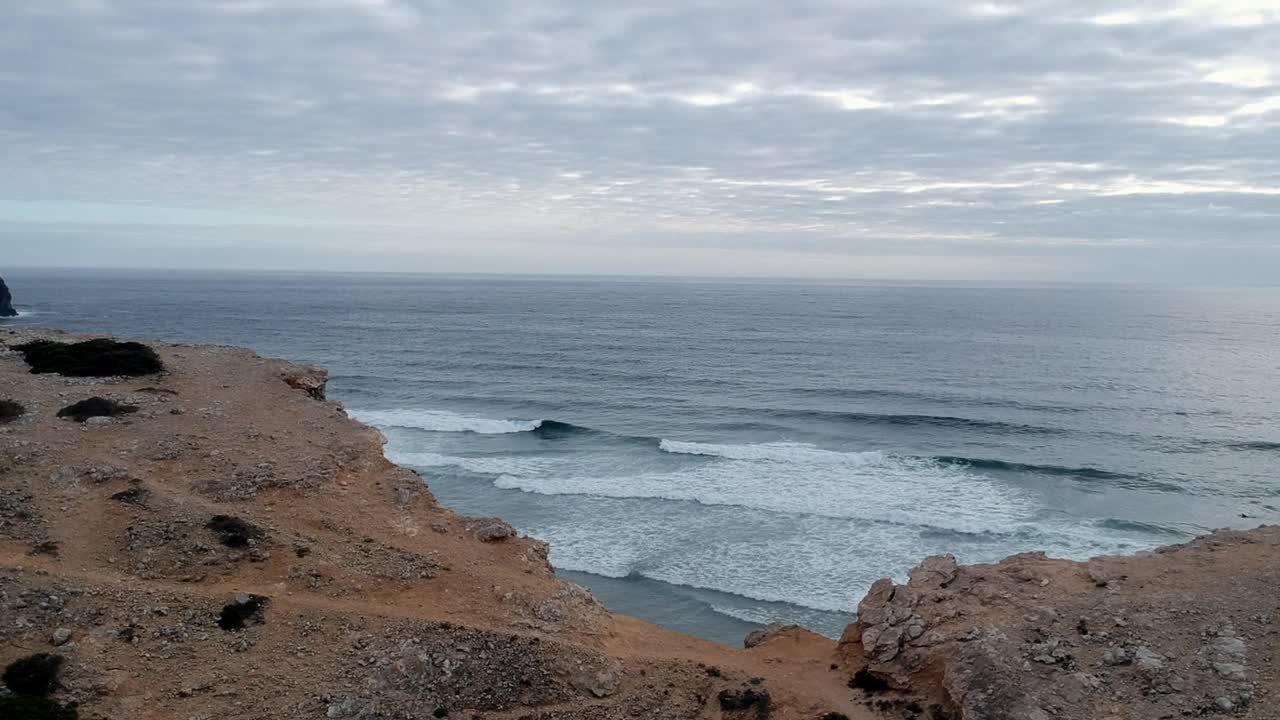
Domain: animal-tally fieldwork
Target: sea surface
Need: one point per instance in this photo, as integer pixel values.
(714, 455)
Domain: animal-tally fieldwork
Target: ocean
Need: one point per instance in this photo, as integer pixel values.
(714, 455)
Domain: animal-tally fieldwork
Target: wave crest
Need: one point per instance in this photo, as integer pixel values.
(783, 452)
(443, 421)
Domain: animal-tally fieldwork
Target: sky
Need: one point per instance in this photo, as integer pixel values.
(948, 139)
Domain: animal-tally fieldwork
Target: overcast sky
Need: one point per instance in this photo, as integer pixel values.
(1054, 139)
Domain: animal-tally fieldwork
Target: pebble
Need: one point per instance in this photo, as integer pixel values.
(61, 636)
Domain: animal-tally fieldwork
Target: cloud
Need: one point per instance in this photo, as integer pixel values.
(981, 132)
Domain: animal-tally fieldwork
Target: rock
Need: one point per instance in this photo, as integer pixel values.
(1224, 704)
(492, 530)
(350, 707)
(887, 614)
(1100, 574)
(887, 644)
(600, 684)
(6, 301)
(874, 608)
(310, 380)
(1148, 661)
(1231, 671)
(1089, 682)
(765, 634)
(61, 636)
(1231, 646)
(936, 570)
(1117, 656)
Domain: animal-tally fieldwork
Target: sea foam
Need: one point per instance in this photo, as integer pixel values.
(442, 421)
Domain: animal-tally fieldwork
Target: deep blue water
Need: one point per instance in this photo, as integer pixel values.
(714, 454)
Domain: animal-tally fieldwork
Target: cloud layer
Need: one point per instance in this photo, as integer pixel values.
(1039, 139)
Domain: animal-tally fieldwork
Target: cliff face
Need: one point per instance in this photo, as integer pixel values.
(6, 301)
(234, 546)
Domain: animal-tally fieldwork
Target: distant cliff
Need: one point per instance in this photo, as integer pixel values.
(6, 301)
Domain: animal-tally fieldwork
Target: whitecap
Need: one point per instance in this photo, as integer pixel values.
(441, 421)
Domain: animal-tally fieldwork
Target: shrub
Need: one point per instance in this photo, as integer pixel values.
(746, 700)
(10, 411)
(232, 531)
(868, 682)
(91, 358)
(36, 708)
(34, 675)
(95, 407)
(236, 614)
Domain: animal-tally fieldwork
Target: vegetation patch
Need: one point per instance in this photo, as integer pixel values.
(36, 708)
(10, 411)
(45, 547)
(233, 532)
(95, 407)
(91, 358)
(133, 496)
(748, 702)
(242, 611)
(868, 682)
(33, 675)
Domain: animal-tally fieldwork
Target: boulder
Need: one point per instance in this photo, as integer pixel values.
(312, 381)
(769, 633)
(491, 529)
(6, 301)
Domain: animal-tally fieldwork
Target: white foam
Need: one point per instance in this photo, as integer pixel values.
(800, 479)
(784, 452)
(777, 522)
(816, 562)
(493, 465)
(442, 421)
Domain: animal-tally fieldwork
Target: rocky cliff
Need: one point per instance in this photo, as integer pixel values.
(6, 301)
(211, 538)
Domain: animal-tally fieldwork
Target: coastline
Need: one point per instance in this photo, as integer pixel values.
(382, 603)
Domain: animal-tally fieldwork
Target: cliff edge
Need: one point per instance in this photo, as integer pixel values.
(203, 535)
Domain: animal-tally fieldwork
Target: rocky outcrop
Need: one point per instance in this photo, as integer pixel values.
(310, 380)
(1172, 633)
(6, 301)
